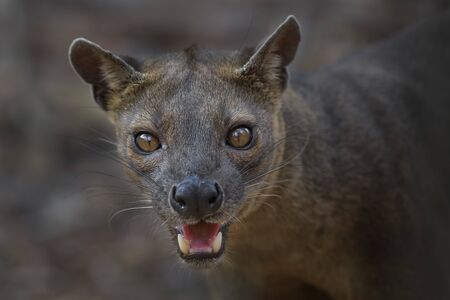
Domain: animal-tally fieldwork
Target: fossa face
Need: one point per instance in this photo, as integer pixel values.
(198, 131)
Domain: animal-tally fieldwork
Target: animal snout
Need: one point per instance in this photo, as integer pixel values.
(196, 198)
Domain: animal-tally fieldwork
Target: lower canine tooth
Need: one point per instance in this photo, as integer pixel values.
(183, 244)
(217, 242)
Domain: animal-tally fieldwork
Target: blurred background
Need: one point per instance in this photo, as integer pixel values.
(60, 186)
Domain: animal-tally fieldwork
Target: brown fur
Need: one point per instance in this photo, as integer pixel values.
(323, 206)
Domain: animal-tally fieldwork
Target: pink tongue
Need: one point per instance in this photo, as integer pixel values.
(201, 235)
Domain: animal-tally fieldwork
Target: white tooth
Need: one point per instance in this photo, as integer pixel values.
(217, 242)
(183, 244)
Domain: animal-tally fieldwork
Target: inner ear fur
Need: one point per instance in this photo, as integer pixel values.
(107, 73)
(275, 53)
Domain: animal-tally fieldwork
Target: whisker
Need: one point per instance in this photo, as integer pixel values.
(266, 186)
(102, 187)
(264, 195)
(245, 169)
(116, 194)
(244, 225)
(94, 172)
(140, 201)
(281, 165)
(101, 134)
(107, 141)
(157, 229)
(112, 191)
(128, 209)
(120, 161)
(269, 205)
(269, 182)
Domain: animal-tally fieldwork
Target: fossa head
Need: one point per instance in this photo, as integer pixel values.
(197, 130)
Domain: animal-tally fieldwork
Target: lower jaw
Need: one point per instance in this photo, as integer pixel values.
(206, 259)
(202, 261)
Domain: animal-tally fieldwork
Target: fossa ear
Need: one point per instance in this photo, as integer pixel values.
(107, 73)
(270, 59)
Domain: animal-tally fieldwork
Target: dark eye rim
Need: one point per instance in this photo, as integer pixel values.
(250, 144)
(139, 149)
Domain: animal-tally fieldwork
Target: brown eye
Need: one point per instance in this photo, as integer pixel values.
(147, 142)
(239, 137)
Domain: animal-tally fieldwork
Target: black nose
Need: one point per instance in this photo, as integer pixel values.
(195, 198)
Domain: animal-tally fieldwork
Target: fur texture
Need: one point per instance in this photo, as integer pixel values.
(342, 195)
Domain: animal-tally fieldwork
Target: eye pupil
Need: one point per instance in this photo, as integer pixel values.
(147, 142)
(239, 137)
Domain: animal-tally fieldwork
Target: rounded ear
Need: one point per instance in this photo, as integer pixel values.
(278, 50)
(107, 73)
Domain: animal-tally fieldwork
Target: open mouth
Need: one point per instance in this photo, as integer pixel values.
(201, 240)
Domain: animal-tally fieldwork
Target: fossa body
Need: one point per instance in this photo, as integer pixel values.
(325, 186)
